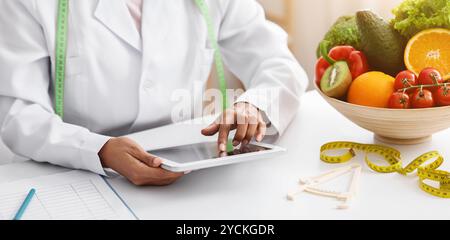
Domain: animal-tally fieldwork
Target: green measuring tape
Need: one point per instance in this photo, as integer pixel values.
(61, 48)
(217, 54)
(217, 58)
(393, 158)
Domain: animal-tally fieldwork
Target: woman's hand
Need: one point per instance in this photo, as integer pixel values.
(127, 158)
(245, 118)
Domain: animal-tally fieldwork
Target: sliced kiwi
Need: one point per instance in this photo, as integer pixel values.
(336, 80)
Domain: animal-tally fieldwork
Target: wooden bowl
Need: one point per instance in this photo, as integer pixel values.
(395, 126)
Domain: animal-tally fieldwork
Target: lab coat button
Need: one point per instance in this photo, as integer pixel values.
(148, 85)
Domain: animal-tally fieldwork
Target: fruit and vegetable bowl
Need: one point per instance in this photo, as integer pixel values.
(396, 126)
(390, 77)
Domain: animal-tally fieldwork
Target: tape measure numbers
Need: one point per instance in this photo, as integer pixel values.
(393, 158)
(60, 56)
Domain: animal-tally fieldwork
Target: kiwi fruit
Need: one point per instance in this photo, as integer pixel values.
(336, 80)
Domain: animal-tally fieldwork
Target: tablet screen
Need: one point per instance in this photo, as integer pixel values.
(201, 151)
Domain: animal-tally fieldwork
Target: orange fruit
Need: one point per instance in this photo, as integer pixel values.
(372, 89)
(429, 48)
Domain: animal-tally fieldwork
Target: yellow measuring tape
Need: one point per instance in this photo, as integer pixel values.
(393, 158)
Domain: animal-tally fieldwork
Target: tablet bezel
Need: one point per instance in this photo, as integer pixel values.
(221, 161)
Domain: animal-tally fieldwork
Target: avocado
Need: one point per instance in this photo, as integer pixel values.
(336, 80)
(383, 46)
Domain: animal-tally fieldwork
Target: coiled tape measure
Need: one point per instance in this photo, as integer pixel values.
(393, 158)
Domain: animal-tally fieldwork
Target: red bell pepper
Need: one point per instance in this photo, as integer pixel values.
(356, 61)
(321, 66)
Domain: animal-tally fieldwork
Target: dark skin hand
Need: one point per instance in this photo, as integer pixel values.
(127, 158)
(245, 118)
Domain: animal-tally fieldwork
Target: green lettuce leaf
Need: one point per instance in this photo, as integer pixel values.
(413, 16)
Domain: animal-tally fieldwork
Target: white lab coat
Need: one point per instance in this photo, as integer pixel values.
(118, 82)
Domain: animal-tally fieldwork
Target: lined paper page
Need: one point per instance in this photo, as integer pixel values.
(74, 195)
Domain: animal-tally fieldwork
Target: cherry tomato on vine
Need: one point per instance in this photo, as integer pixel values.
(429, 76)
(405, 79)
(399, 100)
(422, 98)
(442, 95)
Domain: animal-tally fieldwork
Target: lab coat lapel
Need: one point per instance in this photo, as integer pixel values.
(156, 22)
(115, 15)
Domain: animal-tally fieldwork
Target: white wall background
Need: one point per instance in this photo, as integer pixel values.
(312, 18)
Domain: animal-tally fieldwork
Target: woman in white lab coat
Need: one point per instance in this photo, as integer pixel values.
(124, 60)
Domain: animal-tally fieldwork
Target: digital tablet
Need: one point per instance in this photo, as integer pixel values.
(205, 155)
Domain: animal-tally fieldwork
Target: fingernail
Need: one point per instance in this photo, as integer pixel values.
(245, 142)
(259, 138)
(235, 143)
(222, 147)
(157, 161)
(187, 172)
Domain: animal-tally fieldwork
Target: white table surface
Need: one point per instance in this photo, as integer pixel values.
(257, 190)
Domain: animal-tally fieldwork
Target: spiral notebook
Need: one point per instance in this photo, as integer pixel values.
(73, 195)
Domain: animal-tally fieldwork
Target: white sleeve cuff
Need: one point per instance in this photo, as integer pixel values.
(261, 99)
(91, 145)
